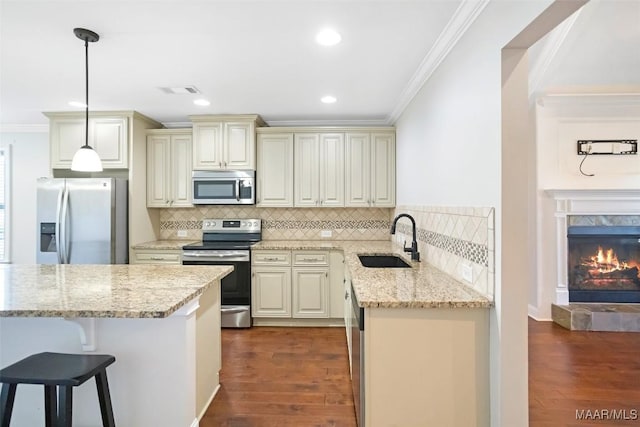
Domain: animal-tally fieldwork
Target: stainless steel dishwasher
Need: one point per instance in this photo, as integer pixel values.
(357, 358)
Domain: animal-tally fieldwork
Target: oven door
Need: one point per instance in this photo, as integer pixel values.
(223, 188)
(235, 288)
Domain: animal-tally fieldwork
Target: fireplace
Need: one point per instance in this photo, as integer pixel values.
(603, 263)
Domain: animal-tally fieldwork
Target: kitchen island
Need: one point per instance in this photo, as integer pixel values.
(161, 322)
(425, 344)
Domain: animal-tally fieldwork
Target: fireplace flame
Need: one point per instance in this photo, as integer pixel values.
(606, 261)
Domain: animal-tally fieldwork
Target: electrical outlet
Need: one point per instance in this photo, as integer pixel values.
(182, 233)
(467, 273)
(325, 233)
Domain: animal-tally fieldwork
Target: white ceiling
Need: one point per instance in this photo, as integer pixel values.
(260, 56)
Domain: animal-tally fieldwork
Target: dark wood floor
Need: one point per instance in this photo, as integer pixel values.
(300, 377)
(573, 371)
(283, 377)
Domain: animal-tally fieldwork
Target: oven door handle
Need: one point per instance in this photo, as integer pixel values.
(233, 310)
(214, 257)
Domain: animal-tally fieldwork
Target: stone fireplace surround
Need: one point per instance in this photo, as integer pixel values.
(591, 207)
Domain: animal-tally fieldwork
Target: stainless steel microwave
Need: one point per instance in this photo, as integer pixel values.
(230, 187)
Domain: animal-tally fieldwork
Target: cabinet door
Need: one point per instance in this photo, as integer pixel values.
(67, 136)
(310, 292)
(158, 170)
(275, 170)
(271, 292)
(331, 177)
(239, 146)
(108, 136)
(306, 170)
(207, 146)
(181, 170)
(383, 169)
(357, 170)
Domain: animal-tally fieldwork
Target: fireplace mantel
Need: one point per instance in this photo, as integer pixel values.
(597, 202)
(585, 202)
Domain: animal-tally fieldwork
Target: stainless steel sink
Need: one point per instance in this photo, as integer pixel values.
(383, 261)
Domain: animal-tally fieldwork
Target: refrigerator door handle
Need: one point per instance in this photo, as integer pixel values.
(59, 227)
(63, 222)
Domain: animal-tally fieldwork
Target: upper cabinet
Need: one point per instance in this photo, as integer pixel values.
(169, 168)
(326, 167)
(318, 169)
(224, 142)
(110, 134)
(275, 169)
(370, 169)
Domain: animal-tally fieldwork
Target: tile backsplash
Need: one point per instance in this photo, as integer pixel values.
(283, 223)
(456, 240)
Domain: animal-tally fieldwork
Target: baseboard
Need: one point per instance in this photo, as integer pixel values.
(204, 410)
(535, 314)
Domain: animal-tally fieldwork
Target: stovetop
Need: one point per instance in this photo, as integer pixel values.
(228, 234)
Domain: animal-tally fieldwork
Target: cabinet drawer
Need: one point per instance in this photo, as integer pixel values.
(271, 258)
(310, 258)
(157, 258)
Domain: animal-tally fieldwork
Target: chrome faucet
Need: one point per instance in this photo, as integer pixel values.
(415, 255)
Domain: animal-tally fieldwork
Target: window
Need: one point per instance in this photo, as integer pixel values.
(5, 183)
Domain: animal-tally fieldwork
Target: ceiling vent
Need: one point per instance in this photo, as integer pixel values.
(180, 90)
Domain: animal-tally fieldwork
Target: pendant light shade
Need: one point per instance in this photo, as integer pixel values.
(86, 158)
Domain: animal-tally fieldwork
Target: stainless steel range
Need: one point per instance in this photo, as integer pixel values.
(228, 242)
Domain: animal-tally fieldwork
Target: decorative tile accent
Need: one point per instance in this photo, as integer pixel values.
(454, 239)
(283, 223)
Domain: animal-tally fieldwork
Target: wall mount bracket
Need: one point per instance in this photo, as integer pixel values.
(607, 146)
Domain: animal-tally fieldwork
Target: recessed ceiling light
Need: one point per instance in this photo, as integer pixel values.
(328, 99)
(77, 104)
(202, 102)
(328, 37)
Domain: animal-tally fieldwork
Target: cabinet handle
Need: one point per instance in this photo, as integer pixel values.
(271, 259)
(157, 258)
(310, 259)
(224, 164)
(346, 295)
(219, 164)
(326, 274)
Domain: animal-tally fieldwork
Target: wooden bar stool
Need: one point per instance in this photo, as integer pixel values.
(59, 373)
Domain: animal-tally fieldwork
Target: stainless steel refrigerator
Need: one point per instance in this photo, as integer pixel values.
(82, 221)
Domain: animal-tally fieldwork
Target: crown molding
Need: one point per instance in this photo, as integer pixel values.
(459, 23)
(346, 122)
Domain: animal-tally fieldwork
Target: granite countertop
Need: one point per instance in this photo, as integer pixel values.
(422, 286)
(164, 244)
(124, 291)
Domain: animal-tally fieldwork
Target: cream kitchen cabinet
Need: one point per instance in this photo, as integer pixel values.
(275, 169)
(370, 169)
(290, 284)
(271, 284)
(168, 168)
(156, 256)
(108, 135)
(224, 142)
(318, 169)
(310, 281)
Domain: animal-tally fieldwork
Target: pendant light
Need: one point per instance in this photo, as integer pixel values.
(86, 158)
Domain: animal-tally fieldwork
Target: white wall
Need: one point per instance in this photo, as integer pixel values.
(30, 160)
(449, 153)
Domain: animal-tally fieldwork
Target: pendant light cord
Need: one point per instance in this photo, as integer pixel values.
(86, 111)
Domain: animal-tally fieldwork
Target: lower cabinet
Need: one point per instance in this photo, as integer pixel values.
(156, 256)
(291, 284)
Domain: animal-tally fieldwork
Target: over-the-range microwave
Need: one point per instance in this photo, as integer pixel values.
(230, 187)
